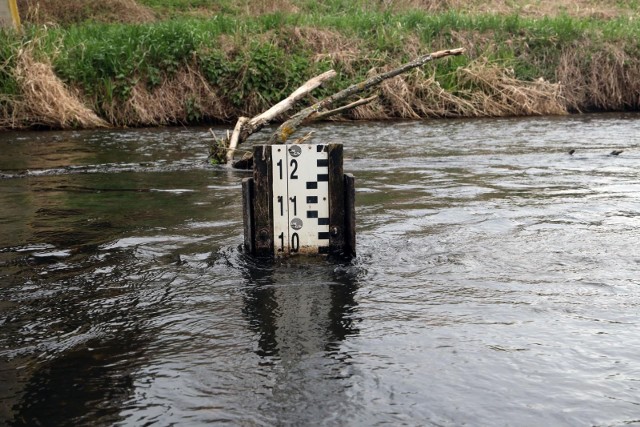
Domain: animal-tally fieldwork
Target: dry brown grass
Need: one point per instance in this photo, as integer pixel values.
(175, 100)
(73, 11)
(261, 7)
(609, 81)
(601, 9)
(330, 45)
(493, 91)
(131, 11)
(8, 115)
(45, 100)
(502, 94)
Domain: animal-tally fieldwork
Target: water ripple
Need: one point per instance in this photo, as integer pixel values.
(495, 281)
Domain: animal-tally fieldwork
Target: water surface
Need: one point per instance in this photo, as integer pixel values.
(496, 282)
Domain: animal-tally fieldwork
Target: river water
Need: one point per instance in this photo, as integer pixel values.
(496, 282)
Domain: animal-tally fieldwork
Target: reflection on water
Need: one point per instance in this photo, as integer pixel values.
(301, 312)
(495, 282)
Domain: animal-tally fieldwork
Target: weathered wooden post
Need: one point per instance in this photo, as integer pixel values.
(9, 16)
(299, 201)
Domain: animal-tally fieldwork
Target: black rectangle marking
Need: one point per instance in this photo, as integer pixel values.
(323, 177)
(312, 199)
(312, 185)
(322, 163)
(319, 148)
(323, 221)
(323, 235)
(312, 214)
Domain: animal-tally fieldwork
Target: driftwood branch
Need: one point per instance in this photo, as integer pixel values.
(290, 126)
(235, 138)
(245, 127)
(258, 122)
(324, 114)
(303, 139)
(320, 110)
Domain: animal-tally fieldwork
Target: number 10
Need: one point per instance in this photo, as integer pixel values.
(295, 242)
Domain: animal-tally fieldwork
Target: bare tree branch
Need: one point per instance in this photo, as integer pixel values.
(235, 138)
(320, 109)
(287, 128)
(324, 114)
(245, 127)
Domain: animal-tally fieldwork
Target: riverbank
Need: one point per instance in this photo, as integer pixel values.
(172, 67)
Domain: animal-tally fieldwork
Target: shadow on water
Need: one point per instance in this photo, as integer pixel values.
(73, 389)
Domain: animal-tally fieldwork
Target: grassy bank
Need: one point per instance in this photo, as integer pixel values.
(186, 62)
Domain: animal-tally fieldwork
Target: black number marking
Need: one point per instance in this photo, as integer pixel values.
(280, 166)
(281, 201)
(294, 165)
(295, 205)
(281, 237)
(295, 242)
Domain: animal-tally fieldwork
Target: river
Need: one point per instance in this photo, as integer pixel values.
(495, 282)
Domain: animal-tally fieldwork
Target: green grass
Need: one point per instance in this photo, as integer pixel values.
(10, 42)
(95, 51)
(108, 60)
(245, 56)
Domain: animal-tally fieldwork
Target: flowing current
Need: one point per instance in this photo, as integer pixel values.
(496, 281)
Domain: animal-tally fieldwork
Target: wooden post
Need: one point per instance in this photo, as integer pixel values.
(262, 206)
(336, 200)
(248, 214)
(299, 201)
(350, 215)
(9, 15)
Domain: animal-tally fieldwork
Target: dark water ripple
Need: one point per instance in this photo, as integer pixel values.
(496, 282)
